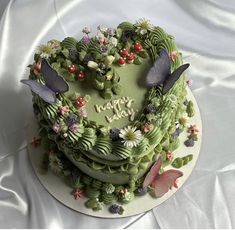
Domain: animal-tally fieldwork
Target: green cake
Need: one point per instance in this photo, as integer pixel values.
(109, 107)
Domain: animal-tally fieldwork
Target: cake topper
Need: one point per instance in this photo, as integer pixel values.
(160, 73)
(161, 182)
(54, 84)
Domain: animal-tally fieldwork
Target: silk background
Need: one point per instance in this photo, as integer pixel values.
(204, 31)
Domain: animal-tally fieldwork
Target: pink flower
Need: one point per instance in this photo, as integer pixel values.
(86, 39)
(173, 55)
(193, 129)
(36, 141)
(74, 128)
(56, 127)
(83, 112)
(189, 82)
(169, 155)
(147, 127)
(78, 193)
(36, 67)
(63, 110)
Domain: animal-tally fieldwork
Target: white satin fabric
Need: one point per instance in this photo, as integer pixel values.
(204, 31)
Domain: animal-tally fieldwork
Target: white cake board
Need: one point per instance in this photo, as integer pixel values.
(62, 192)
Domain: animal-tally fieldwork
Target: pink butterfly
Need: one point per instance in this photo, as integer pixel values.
(161, 182)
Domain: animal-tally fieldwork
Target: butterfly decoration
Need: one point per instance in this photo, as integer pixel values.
(160, 73)
(54, 83)
(161, 182)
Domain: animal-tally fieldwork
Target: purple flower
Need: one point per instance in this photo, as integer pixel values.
(85, 39)
(103, 49)
(150, 108)
(114, 134)
(116, 209)
(176, 133)
(73, 55)
(83, 112)
(141, 191)
(110, 32)
(126, 35)
(71, 119)
(87, 58)
(56, 127)
(74, 128)
(189, 143)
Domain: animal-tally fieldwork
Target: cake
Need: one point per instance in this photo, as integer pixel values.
(110, 110)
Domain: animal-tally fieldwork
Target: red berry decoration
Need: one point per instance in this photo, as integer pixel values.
(124, 52)
(138, 47)
(72, 69)
(81, 75)
(122, 61)
(130, 57)
(80, 102)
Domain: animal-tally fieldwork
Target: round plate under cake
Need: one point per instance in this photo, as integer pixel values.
(62, 192)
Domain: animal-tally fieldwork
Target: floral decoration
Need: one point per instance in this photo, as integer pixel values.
(56, 127)
(143, 26)
(47, 50)
(131, 137)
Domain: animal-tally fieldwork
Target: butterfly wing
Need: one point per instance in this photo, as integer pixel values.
(41, 90)
(165, 181)
(152, 174)
(52, 79)
(172, 78)
(160, 70)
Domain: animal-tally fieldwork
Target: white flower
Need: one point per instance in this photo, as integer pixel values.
(131, 137)
(113, 41)
(102, 29)
(45, 51)
(143, 25)
(183, 120)
(86, 30)
(92, 65)
(55, 163)
(54, 44)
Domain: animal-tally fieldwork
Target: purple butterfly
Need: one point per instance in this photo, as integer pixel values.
(54, 84)
(161, 182)
(160, 73)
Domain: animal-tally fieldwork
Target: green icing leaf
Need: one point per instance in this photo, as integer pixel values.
(98, 85)
(94, 204)
(65, 52)
(190, 109)
(177, 163)
(137, 61)
(143, 54)
(70, 77)
(117, 89)
(82, 54)
(107, 94)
